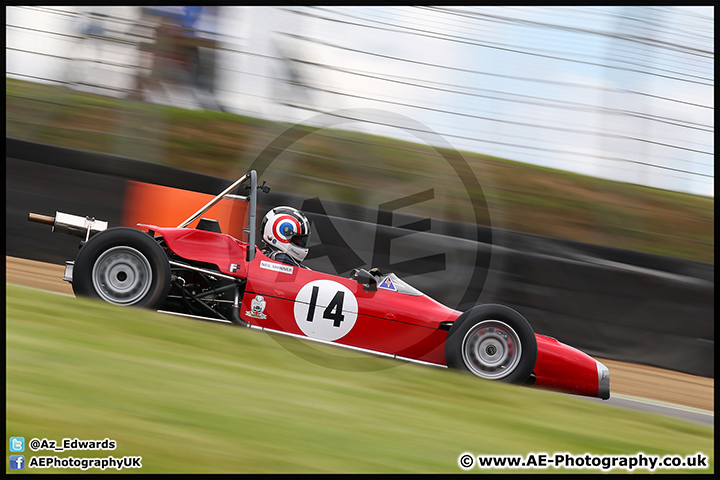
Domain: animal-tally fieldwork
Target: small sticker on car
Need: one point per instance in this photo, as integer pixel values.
(257, 307)
(276, 267)
(388, 284)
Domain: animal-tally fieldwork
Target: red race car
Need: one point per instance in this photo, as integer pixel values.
(203, 272)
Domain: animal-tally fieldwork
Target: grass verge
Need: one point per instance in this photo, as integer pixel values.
(196, 397)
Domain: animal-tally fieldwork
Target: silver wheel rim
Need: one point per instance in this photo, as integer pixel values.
(491, 349)
(122, 275)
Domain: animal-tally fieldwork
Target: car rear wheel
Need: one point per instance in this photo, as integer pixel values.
(493, 342)
(122, 266)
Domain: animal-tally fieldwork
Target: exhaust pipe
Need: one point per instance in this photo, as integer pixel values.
(75, 225)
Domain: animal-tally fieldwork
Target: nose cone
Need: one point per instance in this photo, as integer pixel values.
(603, 381)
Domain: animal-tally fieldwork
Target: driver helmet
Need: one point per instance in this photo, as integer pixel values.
(286, 229)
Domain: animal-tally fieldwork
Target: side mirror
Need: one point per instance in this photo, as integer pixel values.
(368, 281)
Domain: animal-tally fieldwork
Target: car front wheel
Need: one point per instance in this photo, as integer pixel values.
(493, 342)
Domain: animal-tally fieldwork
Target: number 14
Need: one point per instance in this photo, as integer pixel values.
(332, 312)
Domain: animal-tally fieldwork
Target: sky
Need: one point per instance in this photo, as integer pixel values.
(625, 93)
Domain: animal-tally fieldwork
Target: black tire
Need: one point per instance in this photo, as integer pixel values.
(493, 342)
(122, 266)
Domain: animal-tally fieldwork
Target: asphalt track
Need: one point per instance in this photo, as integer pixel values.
(634, 387)
(691, 414)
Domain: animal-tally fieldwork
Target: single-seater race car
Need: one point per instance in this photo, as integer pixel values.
(201, 271)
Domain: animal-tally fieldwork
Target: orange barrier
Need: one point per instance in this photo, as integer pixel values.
(169, 207)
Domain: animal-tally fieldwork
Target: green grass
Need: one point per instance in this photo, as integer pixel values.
(200, 397)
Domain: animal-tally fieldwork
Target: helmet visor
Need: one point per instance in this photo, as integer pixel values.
(299, 240)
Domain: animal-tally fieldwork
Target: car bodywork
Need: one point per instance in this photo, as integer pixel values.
(202, 271)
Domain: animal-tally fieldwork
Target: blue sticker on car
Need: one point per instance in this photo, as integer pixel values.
(387, 284)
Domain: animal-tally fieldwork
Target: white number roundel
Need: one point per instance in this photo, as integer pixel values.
(325, 310)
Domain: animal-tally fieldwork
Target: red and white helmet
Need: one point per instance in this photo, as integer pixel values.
(287, 229)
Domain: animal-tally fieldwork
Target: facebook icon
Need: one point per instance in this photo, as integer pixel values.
(17, 462)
